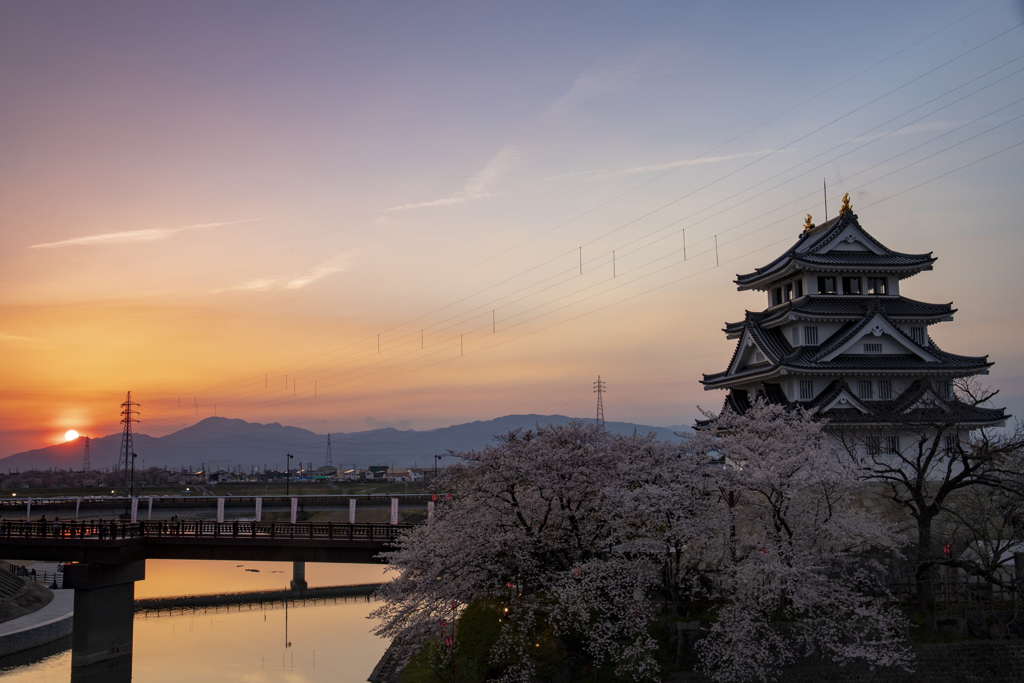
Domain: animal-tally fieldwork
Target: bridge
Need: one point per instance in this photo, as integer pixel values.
(192, 506)
(110, 555)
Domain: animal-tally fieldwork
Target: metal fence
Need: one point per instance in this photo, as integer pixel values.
(956, 591)
(104, 530)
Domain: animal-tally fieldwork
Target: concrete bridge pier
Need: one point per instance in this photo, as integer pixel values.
(299, 576)
(101, 638)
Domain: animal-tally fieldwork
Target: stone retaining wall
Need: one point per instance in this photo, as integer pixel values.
(36, 635)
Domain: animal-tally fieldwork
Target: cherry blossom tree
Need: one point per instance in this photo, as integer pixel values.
(795, 551)
(575, 534)
(531, 526)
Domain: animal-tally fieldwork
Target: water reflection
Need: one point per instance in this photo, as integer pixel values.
(325, 640)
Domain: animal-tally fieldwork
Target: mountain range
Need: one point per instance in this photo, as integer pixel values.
(222, 443)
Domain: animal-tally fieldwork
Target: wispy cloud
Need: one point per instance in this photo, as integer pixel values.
(650, 168)
(603, 78)
(296, 280)
(132, 236)
(679, 164)
(477, 187)
(907, 130)
(18, 339)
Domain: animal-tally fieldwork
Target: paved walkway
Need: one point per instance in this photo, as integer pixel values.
(60, 607)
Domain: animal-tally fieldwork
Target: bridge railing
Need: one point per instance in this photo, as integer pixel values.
(104, 530)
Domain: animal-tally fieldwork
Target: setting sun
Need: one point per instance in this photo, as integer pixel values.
(70, 435)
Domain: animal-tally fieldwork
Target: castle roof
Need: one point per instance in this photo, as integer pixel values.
(830, 308)
(918, 404)
(828, 358)
(838, 244)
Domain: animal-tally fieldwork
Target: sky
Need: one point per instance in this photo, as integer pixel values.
(344, 216)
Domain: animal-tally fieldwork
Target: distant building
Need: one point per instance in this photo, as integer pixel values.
(376, 472)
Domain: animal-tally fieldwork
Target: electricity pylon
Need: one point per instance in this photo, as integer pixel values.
(599, 389)
(124, 459)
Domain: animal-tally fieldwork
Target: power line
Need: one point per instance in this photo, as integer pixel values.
(672, 170)
(493, 316)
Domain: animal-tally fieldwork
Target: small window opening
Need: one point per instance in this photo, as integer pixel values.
(874, 347)
(811, 336)
(806, 389)
(851, 285)
(826, 284)
(877, 286)
(864, 388)
(885, 388)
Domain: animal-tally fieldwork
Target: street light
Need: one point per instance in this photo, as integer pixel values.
(288, 475)
(436, 459)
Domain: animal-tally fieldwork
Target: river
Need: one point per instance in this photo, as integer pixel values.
(326, 641)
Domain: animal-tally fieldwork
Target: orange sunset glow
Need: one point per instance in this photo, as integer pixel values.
(292, 221)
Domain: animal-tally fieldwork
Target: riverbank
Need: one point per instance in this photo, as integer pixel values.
(51, 622)
(251, 597)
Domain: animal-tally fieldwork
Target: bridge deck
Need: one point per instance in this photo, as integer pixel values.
(119, 542)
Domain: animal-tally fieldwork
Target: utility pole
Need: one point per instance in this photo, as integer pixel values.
(288, 475)
(126, 455)
(599, 389)
(86, 463)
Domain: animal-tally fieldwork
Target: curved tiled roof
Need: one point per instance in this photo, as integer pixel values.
(781, 354)
(903, 409)
(807, 247)
(845, 307)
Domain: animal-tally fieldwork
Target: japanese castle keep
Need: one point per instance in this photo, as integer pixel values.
(837, 336)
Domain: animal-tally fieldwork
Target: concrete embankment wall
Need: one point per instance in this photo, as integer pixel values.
(52, 622)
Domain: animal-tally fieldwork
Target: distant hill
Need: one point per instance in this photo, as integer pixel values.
(220, 440)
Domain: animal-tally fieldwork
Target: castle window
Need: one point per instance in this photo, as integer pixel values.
(873, 444)
(864, 388)
(875, 347)
(918, 335)
(758, 357)
(826, 284)
(950, 443)
(776, 296)
(806, 389)
(799, 288)
(877, 285)
(810, 336)
(892, 444)
(788, 291)
(796, 337)
(885, 388)
(851, 285)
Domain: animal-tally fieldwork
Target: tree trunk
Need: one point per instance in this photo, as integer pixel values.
(924, 573)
